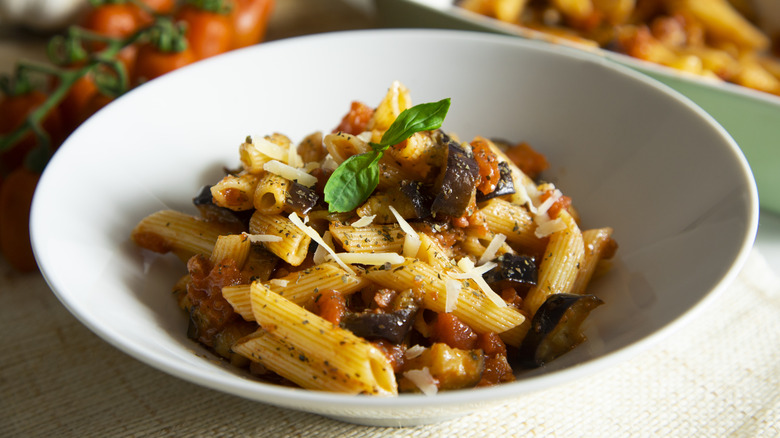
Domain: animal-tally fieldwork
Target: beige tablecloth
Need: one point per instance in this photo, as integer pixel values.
(718, 376)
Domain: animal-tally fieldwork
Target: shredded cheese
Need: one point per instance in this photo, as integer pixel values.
(544, 206)
(293, 159)
(279, 282)
(364, 221)
(289, 172)
(320, 254)
(412, 240)
(270, 149)
(547, 226)
(492, 249)
(373, 258)
(414, 351)
(469, 271)
(311, 232)
(423, 379)
(256, 238)
(452, 290)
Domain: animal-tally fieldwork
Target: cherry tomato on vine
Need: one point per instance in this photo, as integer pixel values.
(209, 27)
(75, 101)
(160, 7)
(250, 19)
(153, 62)
(16, 196)
(118, 20)
(13, 112)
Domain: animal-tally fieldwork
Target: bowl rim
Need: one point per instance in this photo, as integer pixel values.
(292, 397)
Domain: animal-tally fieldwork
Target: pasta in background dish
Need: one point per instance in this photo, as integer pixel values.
(384, 257)
(716, 39)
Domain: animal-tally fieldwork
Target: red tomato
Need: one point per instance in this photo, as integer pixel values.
(13, 112)
(250, 19)
(75, 101)
(162, 7)
(118, 20)
(208, 33)
(15, 199)
(152, 62)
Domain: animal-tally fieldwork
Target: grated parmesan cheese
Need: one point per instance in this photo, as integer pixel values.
(278, 168)
(257, 238)
(452, 290)
(547, 226)
(320, 254)
(270, 149)
(414, 351)
(544, 206)
(423, 379)
(311, 232)
(293, 159)
(373, 258)
(469, 271)
(364, 221)
(279, 282)
(492, 249)
(412, 240)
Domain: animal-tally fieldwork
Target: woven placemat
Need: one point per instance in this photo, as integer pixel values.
(719, 376)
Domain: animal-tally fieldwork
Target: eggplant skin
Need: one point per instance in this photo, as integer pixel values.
(458, 182)
(513, 268)
(390, 326)
(300, 198)
(555, 328)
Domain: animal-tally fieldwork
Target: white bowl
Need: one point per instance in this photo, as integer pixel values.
(632, 154)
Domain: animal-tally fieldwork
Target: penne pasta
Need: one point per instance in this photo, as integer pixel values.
(560, 264)
(172, 231)
(312, 352)
(371, 238)
(294, 245)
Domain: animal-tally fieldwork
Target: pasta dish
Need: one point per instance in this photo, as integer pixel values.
(384, 257)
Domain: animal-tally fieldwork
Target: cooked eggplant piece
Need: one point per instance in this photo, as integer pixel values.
(392, 326)
(418, 197)
(300, 198)
(505, 185)
(452, 368)
(204, 202)
(513, 269)
(457, 182)
(555, 328)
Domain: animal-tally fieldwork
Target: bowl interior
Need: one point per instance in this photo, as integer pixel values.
(632, 155)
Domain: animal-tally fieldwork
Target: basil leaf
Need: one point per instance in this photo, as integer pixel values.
(422, 117)
(357, 177)
(352, 182)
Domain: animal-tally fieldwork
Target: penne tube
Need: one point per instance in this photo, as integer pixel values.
(294, 245)
(313, 352)
(235, 192)
(171, 231)
(560, 264)
(513, 221)
(371, 238)
(231, 246)
(271, 194)
(598, 246)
